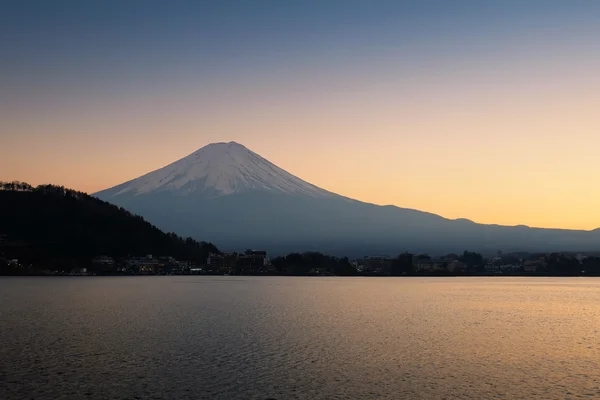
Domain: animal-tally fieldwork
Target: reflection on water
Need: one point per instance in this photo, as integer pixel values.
(299, 338)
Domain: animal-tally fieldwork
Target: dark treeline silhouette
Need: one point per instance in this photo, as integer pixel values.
(16, 186)
(472, 264)
(311, 263)
(559, 265)
(57, 228)
(402, 265)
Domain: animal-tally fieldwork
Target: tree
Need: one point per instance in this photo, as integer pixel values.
(591, 266)
(343, 267)
(403, 265)
(473, 261)
(559, 264)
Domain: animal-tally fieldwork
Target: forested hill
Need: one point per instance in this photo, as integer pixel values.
(54, 226)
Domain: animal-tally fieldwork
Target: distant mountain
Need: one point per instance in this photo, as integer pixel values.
(58, 227)
(232, 196)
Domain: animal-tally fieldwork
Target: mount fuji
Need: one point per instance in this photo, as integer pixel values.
(231, 196)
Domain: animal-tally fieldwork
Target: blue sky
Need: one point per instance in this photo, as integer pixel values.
(100, 41)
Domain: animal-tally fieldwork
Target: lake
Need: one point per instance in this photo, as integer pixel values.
(179, 337)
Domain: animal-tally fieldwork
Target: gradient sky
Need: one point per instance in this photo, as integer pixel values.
(487, 110)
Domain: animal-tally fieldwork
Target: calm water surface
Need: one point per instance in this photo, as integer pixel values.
(299, 338)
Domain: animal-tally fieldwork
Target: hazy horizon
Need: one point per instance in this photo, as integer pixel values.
(477, 110)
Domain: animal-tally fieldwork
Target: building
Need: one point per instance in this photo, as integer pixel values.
(252, 260)
(376, 265)
(174, 267)
(492, 268)
(143, 265)
(456, 266)
(224, 263)
(429, 264)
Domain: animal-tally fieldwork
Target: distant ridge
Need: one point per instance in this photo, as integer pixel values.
(230, 195)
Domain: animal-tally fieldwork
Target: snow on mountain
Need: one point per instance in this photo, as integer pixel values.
(220, 169)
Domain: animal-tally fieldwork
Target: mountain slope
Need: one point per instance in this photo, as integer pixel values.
(232, 196)
(57, 225)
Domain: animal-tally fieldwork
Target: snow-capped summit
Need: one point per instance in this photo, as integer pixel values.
(219, 169)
